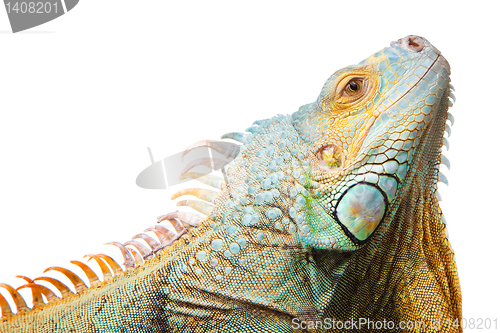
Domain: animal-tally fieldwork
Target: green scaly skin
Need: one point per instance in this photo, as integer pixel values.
(327, 214)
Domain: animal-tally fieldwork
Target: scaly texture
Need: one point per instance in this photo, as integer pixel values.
(328, 214)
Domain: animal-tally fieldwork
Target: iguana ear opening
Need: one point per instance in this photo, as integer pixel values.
(331, 157)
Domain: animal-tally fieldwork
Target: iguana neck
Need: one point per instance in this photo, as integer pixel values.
(407, 268)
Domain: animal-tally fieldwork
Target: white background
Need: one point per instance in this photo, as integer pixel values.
(82, 97)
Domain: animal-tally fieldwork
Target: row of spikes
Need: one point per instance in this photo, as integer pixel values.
(444, 160)
(134, 252)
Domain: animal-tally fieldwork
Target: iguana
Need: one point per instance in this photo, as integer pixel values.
(327, 220)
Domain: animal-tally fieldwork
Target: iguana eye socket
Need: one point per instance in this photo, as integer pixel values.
(353, 89)
(349, 89)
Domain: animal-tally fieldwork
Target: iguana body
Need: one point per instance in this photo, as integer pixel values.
(328, 214)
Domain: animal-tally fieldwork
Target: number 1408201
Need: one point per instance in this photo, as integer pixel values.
(32, 7)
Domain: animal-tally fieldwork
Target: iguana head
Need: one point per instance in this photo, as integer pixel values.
(335, 167)
(364, 129)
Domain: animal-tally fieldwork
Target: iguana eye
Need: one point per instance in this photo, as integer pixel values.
(353, 88)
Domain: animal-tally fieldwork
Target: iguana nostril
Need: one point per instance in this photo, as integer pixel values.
(413, 43)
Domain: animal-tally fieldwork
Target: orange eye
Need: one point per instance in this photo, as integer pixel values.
(353, 88)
